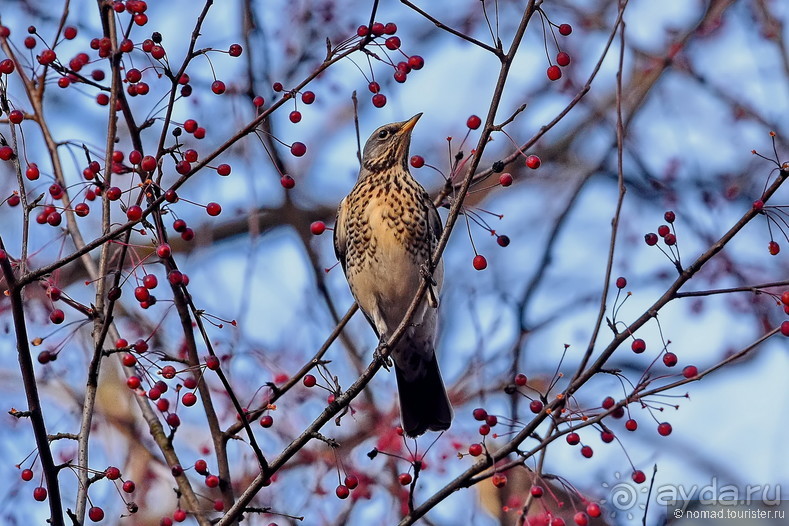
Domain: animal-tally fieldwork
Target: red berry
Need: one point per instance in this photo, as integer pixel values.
(785, 328)
(141, 294)
(298, 149)
(128, 486)
(295, 116)
(308, 97)
(400, 76)
(171, 196)
(317, 228)
(563, 59)
(40, 494)
(129, 360)
(16, 116)
(189, 399)
(287, 182)
(390, 28)
(690, 371)
(484, 429)
(32, 172)
(758, 205)
(417, 161)
(670, 239)
(670, 359)
(416, 62)
(651, 239)
(533, 162)
(621, 282)
(503, 241)
(6, 153)
(392, 43)
(669, 216)
(57, 316)
(587, 452)
(27, 475)
(554, 73)
(277, 86)
(785, 297)
(352, 481)
(492, 420)
(201, 466)
(379, 100)
(774, 248)
(360, 31)
(96, 514)
(213, 209)
(183, 167)
(266, 421)
(134, 213)
(164, 251)
(631, 425)
(473, 122)
(342, 492)
(663, 230)
(378, 29)
(479, 262)
(133, 382)
(479, 414)
(499, 480)
(475, 450)
(404, 479)
(212, 481)
(179, 515)
(505, 179)
(565, 29)
(536, 491)
(593, 509)
(573, 438)
(114, 193)
(638, 346)
(235, 50)
(212, 362)
(607, 436)
(664, 429)
(520, 379)
(535, 406)
(638, 476)
(258, 101)
(47, 56)
(150, 281)
(309, 380)
(190, 125)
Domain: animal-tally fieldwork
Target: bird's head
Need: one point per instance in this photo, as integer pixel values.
(388, 146)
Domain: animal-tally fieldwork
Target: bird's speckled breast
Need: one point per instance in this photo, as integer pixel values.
(387, 221)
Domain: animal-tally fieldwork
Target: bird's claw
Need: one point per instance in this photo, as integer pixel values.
(424, 270)
(380, 355)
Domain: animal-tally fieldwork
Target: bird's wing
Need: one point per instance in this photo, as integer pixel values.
(340, 237)
(434, 233)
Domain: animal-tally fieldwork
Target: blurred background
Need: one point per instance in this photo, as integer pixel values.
(704, 83)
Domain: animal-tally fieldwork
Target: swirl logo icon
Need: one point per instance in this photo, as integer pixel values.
(623, 496)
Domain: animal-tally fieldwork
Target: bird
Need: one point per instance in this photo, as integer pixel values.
(386, 230)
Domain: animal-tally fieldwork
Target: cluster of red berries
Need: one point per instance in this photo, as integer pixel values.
(391, 43)
(664, 231)
(554, 72)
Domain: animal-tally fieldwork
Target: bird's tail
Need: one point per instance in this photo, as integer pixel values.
(424, 403)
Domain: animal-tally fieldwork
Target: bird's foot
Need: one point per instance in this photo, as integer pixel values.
(424, 270)
(380, 355)
(432, 297)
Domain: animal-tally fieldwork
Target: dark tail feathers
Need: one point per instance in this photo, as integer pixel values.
(423, 402)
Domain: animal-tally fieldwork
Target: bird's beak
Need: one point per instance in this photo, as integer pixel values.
(410, 123)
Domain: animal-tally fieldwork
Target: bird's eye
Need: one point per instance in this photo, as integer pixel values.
(382, 134)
